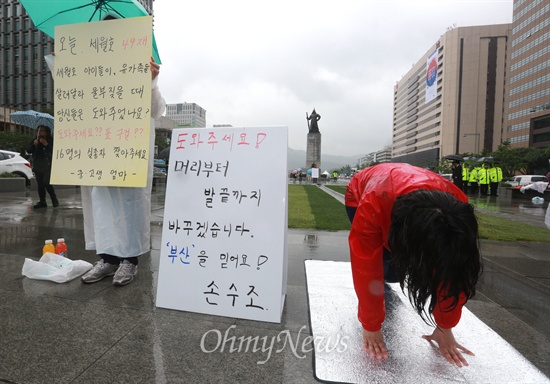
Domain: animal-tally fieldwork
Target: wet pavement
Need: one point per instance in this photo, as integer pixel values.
(98, 333)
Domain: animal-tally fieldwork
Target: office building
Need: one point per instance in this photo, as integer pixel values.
(381, 156)
(529, 75)
(25, 81)
(453, 100)
(189, 115)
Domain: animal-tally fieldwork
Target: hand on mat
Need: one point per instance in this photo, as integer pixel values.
(448, 346)
(374, 343)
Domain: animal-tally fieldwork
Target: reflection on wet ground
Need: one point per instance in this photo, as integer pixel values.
(157, 345)
(523, 210)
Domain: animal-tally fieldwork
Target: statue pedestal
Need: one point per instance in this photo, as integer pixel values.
(313, 151)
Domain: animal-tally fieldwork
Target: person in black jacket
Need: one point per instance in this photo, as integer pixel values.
(41, 149)
(457, 173)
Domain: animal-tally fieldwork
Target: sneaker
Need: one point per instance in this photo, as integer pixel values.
(100, 270)
(40, 205)
(125, 273)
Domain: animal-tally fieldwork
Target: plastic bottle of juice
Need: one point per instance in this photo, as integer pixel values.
(48, 247)
(61, 247)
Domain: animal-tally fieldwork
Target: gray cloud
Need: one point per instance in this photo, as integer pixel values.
(266, 62)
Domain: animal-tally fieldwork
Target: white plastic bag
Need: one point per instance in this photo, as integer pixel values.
(54, 268)
(537, 200)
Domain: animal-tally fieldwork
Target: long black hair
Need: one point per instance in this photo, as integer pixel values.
(434, 243)
(45, 128)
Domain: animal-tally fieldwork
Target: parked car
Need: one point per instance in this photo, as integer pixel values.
(447, 176)
(159, 172)
(160, 163)
(521, 180)
(14, 163)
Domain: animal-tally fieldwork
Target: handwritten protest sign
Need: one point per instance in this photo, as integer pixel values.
(223, 249)
(102, 96)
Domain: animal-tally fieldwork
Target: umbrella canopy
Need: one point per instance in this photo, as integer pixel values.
(489, 159)
(46, 15)
(32, 119)
(454, 157)
(164, 154)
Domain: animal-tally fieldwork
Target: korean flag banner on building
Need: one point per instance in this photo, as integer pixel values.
(431, 77)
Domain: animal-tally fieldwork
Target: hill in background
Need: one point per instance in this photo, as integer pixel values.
(297, 159)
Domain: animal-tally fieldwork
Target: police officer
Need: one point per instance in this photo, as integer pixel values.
(484, 179)
(495, 174)
(465, 177)
(473, 178)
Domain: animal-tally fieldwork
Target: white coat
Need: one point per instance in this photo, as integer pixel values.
(117, 219)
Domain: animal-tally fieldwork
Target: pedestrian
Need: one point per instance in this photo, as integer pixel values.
(117, 220)
(456, 170)
(484, 179)
(314, 173)
(41, 150)
(495, 175)
(411, 225)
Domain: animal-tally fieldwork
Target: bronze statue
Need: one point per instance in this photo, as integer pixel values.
(312, 121)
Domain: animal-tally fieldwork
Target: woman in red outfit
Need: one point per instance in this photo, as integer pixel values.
(413, 226)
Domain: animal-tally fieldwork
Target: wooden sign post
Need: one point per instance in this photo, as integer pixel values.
(224, 246)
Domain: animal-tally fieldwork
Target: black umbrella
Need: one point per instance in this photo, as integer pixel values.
(489, 159)
(454, 157)
(164, 154)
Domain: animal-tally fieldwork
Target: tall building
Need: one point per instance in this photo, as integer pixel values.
(453, 100)
(187, 114)
(529, 75)
(25, 82)
(381, 156)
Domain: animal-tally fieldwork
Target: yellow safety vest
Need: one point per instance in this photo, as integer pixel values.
(496, 174)
(465, 174)
(484, 176)
(474, 175)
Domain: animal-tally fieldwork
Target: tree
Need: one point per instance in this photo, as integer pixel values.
(525, 160)
(16, 142)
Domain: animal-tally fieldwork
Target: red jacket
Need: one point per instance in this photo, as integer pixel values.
(373, 191)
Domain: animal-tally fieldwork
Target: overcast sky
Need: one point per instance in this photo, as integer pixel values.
(268, 62)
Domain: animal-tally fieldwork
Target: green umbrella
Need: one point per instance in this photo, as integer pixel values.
(46, 15)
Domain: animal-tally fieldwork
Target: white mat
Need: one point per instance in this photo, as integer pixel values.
(339, 355)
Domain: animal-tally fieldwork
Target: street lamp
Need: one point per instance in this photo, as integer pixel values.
(477, 135)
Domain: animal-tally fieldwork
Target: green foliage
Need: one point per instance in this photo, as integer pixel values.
(161, 143)
(338, 188)
(525, 160)
(496, 228)
(300, 214)
(311, 207)
(345, 170)
(16, 142)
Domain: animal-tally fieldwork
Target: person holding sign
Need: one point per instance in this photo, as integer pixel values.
(411, 226)
(117, 219)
